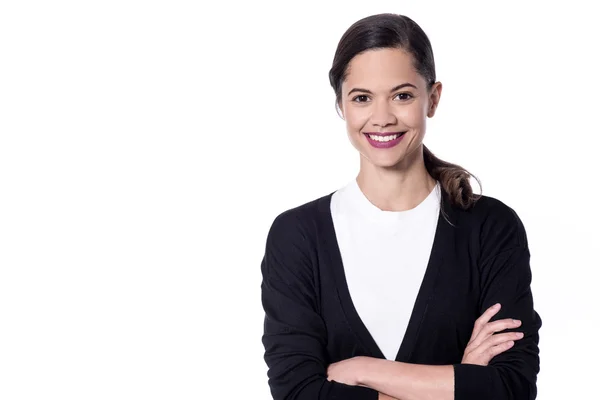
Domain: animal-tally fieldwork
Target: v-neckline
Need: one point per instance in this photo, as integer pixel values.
(425, 292)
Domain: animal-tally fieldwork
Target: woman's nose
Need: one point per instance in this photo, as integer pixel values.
(382, 114)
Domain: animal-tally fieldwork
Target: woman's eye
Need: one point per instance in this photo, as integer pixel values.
(404, 96)
(361, 98)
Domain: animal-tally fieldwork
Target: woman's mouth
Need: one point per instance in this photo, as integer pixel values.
(384, 139)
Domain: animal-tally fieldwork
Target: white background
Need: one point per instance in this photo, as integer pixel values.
(145, 148)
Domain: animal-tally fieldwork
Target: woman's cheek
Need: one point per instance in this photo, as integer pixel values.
(412, 116)
(356, 122)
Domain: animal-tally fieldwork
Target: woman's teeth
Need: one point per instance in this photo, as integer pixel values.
(379, 138)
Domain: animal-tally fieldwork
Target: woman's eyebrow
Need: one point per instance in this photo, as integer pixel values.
(402, 85)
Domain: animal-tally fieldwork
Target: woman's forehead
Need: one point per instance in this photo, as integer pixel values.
(381, 69)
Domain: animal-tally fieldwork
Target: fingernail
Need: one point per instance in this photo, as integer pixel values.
(516, 321)
(519, 334)
(497, 305)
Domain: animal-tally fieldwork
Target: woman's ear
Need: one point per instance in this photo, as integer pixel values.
(434, 98)
(339, 110)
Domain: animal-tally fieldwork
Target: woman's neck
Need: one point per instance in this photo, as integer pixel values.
(392, 189)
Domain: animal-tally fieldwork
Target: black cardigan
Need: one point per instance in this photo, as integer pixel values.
(310, 321)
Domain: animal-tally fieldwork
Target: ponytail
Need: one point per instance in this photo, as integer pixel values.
(454, 180)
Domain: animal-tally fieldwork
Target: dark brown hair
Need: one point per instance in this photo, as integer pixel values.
(398, 31)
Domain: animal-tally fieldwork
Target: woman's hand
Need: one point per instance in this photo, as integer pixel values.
(484, 345)
(347, 371)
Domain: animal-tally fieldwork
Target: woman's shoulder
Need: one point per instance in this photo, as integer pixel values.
(302, 218)
(492, 207)
(497, 223)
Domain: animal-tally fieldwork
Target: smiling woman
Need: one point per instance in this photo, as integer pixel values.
(383, 73)
(403, 283)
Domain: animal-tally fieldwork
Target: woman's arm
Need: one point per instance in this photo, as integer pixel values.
(510, 375)
(294, 332)
(409, 381)
(412, 381)
(504, 276)
(386, 397)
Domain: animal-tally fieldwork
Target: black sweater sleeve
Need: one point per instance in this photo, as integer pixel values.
(505, 278)
(294, 333)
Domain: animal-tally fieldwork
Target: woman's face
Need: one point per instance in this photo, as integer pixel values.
(383, 97)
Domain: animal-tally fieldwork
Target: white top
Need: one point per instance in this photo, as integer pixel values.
(385, 254)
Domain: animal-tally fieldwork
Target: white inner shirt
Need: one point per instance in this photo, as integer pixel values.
(385, 254)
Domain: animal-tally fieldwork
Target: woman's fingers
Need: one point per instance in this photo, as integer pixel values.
(484, 319)
(500, 338)
(500, 325)
(492, 327)
(485, 342)
(491, 347)
(499, 343)
(495, 350)
(481, 346)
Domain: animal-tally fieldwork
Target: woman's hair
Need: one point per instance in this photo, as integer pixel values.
(398, 31)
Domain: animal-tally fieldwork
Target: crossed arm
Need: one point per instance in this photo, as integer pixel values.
(397, 380)
(295, 338)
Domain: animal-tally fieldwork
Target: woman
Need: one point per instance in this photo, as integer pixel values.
(403, 284)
